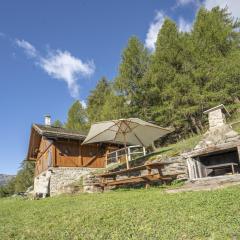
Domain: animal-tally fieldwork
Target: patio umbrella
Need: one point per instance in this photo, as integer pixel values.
(127, 131)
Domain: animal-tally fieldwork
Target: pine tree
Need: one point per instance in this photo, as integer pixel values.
(97, 99)
(187, 73)
(129, 82)
(175, 96)
(77, 117)
(216, 41)
(58, 123)
(115, 107)
(21, 182)
(25, 176)
(162, 71)
(215, 33)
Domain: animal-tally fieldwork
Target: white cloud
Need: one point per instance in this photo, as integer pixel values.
(184, 26)
(184, 2)
(156, 25)
(84, 104)
(233, 5)
(63, 66)
(153, 30)
(28, 48)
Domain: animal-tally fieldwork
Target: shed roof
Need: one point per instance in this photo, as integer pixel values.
(58, 132)
(221, 106)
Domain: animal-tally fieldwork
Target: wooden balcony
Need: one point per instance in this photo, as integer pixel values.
(130, 153)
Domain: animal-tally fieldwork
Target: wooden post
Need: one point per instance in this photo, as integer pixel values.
(238, 149)
(144, 151)
(149, 171)
(56, 155)
(103, 183)
(233, 172)
(206, 172)
(118, 161)
(106, 158)
(195, 168)
(125, 146)
(199, 167)
(129, 154)
(159, 168)
(190, 169)
(80, 152)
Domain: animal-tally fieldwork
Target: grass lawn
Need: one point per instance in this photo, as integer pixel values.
(133, 214)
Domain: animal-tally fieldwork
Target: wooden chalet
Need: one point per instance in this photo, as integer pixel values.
(58, 147)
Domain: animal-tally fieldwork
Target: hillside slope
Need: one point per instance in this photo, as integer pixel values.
(135, 214)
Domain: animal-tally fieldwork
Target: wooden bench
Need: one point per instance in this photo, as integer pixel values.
(147, 178)
(220, 166)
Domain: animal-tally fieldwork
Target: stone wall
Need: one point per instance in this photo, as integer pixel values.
(90, 183)
(41, 184)
(177, 166)
(216, 119)
(61, 180)
(217, 136)
(57, 180)
(64, 176)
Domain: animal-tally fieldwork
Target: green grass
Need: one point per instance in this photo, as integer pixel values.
(236, 127)
(180, 147)
(134, 214)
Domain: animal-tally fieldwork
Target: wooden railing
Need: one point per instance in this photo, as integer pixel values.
(130, 153)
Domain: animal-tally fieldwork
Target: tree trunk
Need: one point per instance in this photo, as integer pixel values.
(194, 122)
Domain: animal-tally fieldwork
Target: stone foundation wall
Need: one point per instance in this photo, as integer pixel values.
(56, 181)
(41, 183)
(60, 180)
(178, 165)
(63, 176)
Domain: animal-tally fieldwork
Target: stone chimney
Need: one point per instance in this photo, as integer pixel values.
(217, 116)
(219, 131)
(47, 119)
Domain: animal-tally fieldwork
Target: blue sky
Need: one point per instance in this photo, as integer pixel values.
(54, 52)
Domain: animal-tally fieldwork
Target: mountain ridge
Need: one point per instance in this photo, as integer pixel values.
(5, 178)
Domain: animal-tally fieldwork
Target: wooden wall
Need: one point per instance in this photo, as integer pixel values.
(45, 156)
(73, 154)
(70, 153)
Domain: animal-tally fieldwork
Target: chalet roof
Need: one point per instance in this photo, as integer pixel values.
(58, 132)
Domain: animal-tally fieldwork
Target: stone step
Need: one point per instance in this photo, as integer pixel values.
(206, 184)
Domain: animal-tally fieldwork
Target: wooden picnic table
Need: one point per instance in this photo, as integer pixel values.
(147, 178)
(155, 165)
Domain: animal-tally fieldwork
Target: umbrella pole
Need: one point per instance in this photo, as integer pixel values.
(125, 146)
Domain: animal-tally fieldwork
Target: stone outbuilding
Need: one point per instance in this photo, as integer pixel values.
(218, 153)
